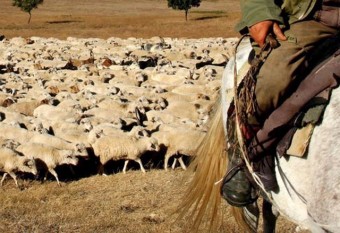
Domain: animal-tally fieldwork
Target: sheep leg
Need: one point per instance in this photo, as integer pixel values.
(14, 178)
(174, 164)
(125, 166)
(166, 160)
(140, 164)
(3, 178)
(101, 170)
(54, 173)
(45, 176)
(72, 170)
(181, 162)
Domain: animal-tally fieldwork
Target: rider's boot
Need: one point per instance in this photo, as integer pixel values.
(236, 187)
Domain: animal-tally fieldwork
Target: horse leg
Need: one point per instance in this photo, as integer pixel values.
(269, 218)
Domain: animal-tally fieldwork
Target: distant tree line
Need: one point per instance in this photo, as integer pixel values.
(27, 6)
(184, 5)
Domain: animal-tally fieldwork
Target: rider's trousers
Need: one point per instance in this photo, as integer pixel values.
(278, 78)
(288, 64)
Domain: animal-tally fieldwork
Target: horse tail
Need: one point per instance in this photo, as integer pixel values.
(202, 197)
(240, 218)
(202, 200)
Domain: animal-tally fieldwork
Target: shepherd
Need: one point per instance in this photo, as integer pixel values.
(300, 27)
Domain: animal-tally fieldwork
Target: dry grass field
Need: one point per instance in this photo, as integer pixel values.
(122, 203)
(118, 18)
(132, 202)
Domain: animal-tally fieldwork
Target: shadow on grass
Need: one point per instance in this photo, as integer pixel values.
(209, 17)
(63, 21)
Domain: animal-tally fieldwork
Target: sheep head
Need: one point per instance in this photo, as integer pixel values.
(80, 150)
(28, 165)
(152, 144)
(68, 157)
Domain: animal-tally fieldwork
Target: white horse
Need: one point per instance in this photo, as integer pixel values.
(309, 187)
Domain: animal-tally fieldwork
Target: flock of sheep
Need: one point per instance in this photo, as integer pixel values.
(114, 99)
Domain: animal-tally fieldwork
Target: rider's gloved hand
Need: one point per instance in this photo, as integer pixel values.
(260, 31)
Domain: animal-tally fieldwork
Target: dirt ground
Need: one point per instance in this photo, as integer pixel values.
(132, 202)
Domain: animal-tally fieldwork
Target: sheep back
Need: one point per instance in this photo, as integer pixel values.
(51, 156)
(11, 161)
(123, 147)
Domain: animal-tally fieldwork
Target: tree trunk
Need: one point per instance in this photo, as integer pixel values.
(29, 19)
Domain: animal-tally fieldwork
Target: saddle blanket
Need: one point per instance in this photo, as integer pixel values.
(295, 142)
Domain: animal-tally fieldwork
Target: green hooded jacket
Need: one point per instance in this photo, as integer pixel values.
(291, 11)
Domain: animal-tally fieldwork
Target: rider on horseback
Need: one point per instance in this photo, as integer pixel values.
(300, 26)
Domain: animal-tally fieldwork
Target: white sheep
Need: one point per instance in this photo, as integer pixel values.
(8, 143)
(109, 129)
(178, 142)
(122, 147)
(25, 107)
(11, 161)
(16, 133)
(71, 132)
(79, 149)
(50, 156)
(51, 112)
(23, 136)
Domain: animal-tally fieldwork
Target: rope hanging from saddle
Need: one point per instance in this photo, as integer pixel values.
(245, 92)
(245, 99)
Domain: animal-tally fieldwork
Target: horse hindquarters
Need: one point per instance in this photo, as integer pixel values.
(309, 188)
(323, 204)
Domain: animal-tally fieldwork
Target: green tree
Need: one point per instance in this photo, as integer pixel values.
(27, 5)
(184, 5)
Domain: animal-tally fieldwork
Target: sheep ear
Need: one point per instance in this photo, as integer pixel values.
(26, 162)
(142, 133)
(80, 146)
(99, 133)
(153, 146)
(31, 163)
(140, 117)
